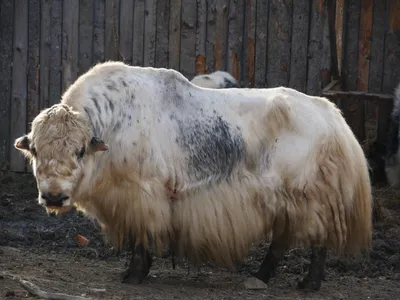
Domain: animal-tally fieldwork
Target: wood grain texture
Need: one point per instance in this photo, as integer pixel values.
(221, 34)
(138, 33)
(19, 83)
(279, 43)
(188, 38)
(125, 37)
(364, 46)
(377, 47)
(325, 70)
(6, 56)
(161, 55)
(391, 69)
(235, 41)
(85, 35)
(70, 45)
(351, 45)
(150, 29)
(262, 17)
(299, 45)
(211, 30)
(55, 52)
(339, 18)
(174, 34)
(45, 43)
(250, 36)
(98, 31)
(201, 36)
(111, 31)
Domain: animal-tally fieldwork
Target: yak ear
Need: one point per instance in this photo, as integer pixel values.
(22, 143)
(98, 145)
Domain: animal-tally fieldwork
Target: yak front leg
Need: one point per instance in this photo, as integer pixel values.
(139, 265)
(316, 272)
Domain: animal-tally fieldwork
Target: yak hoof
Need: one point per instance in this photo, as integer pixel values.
(309, 284)
(130, 277)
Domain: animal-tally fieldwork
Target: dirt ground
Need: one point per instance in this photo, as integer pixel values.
(43, 249)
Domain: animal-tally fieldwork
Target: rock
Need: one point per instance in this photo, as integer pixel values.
(97, 292)
(253, 283)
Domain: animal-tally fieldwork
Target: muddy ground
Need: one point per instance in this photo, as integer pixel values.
(43, 249)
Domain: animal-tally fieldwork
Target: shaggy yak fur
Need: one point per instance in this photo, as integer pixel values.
(205, 172)
(216, 80)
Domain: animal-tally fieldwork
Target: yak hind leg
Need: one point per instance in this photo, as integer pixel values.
(139, 266)
(316, 272)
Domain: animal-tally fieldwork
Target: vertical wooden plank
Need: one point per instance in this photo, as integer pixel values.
(339, 31)
(377, 47)
(315, 47)
(85, 35)
(299, 47)
(364, 46)
(325, 70)
(70, 43)
(188, 38)
(221, 34)
(210, 42)
(201, 36)
(125, 37)
(45, 43)
(385, 107)
(138, 33)
(150, 23)
(391, 70)
(175, 34)
(19, 82)
(98, 31)
(250, 33)
(262, 16)
(351, 45)
(235, 55)
(279, 38)
(55, 52)
(161, 56)
(354, 113)
(6, 56)
(111, 34)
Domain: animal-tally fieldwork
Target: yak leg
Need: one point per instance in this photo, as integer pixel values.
(316, 272)
(276, 250)
(139, 265)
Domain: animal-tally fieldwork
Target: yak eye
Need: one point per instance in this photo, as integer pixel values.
(81, 152)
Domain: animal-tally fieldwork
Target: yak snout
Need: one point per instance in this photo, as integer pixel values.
(56, 200)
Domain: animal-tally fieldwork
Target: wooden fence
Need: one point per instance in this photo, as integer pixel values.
(46, 44)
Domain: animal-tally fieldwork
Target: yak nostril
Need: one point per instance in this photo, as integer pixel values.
(54, 200)
(62, 197)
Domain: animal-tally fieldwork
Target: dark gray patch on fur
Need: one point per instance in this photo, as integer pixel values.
(123, 82)
(228, 84)
(111, 85)
(110, 103)
(95, 127)
(214, 147)
(206, 77)
(117, 126)
(96, 104)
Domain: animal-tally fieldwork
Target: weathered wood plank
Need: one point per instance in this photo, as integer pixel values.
(55, 52)
(391, 70)
(150, 29)
(250, 34)
(138, 32)
(70, 43)
(384, 113)
(279, 38)
(364, 46)
(315, 45)
(174, 34)
(161, 57)
(98, 31)
(331, 7)
(201, 36)
(211, 30)
(262, 16)
(125, 37)
(111, 34)
(339, 32)
(377, 47)
(19, 82)
(85, 35)
(351, 45)
(45, 43)
(326, 66)
(353, 108)
(188, 38)
(235, 53)
(6, 56)
(298, 59)
(221, 34)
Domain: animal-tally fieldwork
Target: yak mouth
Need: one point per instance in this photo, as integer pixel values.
(58, 210)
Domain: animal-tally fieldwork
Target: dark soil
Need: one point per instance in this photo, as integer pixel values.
(43, 249)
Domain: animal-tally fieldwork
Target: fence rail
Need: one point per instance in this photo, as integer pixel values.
(46, 44)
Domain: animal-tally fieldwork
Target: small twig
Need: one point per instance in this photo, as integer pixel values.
(36, 291)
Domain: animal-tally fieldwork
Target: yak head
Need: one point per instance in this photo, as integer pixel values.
(58, 147)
